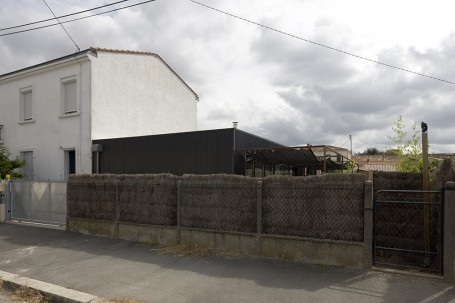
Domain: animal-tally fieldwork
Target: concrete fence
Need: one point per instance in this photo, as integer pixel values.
(240, 215)
(314, 219)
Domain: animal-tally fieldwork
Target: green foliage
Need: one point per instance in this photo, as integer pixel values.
(408, 148)
(8, 166)
(371, 151)
(351, 167)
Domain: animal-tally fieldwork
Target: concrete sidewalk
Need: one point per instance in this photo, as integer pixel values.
(117, 269)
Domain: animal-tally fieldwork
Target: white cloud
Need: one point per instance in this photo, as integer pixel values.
(276, 86)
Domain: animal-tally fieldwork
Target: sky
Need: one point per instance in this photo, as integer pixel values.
(276, 84)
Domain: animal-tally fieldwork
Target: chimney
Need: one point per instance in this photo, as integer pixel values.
(235, 125)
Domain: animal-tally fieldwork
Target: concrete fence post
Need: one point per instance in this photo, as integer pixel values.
(258, 216)
(2, 203)
(368, 225)
(117, 208)
(448, 232)
(49, 201)
(179, 208)
(67, 219)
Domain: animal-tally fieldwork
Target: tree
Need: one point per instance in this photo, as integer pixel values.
(408, 148)
(8, 166)
(371, 151)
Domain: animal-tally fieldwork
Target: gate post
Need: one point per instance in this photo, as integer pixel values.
(448, 232)
(2, 201)
(368, 225)
(9, 203)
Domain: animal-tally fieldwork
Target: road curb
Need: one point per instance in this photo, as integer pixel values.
(55, 292)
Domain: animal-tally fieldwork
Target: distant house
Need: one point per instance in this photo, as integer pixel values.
(376, 162)
(51, 112)
(442, 156)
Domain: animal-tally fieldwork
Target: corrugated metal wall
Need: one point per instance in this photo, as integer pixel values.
(200, 152)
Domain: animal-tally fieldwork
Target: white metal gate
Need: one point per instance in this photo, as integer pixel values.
(38, 202)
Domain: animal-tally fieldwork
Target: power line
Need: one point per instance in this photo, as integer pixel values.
(322, 45)
(60, 17)
(345, 143)
(76, 19)
(77, 47)
(370, 144)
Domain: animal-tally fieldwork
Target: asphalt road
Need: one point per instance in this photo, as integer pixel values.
(117, 269)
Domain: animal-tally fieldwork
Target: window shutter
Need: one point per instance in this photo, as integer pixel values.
(70, 97)
(28, 106)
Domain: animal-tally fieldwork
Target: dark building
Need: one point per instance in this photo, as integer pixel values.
(219, 151)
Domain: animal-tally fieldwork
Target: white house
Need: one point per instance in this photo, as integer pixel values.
(51, 112)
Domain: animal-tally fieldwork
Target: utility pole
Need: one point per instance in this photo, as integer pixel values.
(425, 187)
(350, 159)
(350, 140)
(425, 155)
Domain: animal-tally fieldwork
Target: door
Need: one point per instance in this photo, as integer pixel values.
(70, 163)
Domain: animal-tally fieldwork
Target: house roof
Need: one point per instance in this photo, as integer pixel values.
(376, 162)
(93, 51)
(37, 66)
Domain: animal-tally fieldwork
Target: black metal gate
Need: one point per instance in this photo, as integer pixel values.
(407, 230)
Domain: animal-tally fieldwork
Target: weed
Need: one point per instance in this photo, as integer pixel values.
(124, 300)
(28, 295)
(184, 250)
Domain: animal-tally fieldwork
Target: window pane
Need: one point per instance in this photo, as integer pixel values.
(282, 169)
(70, 90)
(268, 170)
(258, 171)
(249, 166)
(28, 106)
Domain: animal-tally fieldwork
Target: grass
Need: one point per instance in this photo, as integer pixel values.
(28, 295)
(25, 294)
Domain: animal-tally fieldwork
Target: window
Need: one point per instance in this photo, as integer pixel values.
(26, 104)
(27, 169)
(69, 95)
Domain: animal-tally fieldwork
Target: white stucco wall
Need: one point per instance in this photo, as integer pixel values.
(136, 95)
(49, 134)
(119, 95)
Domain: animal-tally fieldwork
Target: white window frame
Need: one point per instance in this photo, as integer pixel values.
(63, 82)
(22, 92)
